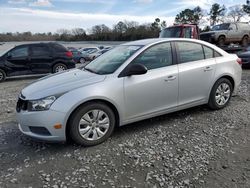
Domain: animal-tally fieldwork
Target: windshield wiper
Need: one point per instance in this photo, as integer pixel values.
(90, 70)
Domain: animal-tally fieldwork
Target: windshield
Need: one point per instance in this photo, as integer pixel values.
(220, 27)
(171, 32)
(110, 61)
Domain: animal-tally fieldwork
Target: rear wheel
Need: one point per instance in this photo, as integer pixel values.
(244, 41)
(221, 94)
(91, 124)
(221, 41)
(59, 67)
(2, 75)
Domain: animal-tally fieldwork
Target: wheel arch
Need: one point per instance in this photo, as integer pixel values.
(230, 78)
(245, 35)
(108, 103)
(4, 69)
(221, 35)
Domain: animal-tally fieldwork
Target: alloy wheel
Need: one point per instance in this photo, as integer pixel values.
(94, 125)
(60, 68)
(222, 94)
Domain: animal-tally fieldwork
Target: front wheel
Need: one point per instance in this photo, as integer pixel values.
(92, 124)
(221, 41)
(221, 94)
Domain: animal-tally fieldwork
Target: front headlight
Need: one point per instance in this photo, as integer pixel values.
(41, 104)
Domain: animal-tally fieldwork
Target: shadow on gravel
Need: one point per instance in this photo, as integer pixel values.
(12, 140)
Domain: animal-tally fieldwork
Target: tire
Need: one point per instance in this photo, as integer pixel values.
(244, 41)
(2, 75)
(221, 41)
(88, 118)
(59, 67)
(220, 94)
(82, 60)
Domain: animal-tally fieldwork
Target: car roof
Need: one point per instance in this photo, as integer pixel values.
(145, 42)
(148, 42)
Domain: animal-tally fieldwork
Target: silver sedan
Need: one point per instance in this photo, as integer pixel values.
(132, 82)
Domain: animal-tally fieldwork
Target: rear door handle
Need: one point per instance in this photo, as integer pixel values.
(170, 78)
(208, 69)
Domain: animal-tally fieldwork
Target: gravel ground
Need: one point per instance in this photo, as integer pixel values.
(192, 148)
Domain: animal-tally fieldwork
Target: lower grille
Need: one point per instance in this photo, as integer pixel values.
(40, 131)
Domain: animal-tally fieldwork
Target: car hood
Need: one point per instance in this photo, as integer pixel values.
(60, 83)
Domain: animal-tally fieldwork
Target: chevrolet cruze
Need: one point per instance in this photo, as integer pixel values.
(132, 82)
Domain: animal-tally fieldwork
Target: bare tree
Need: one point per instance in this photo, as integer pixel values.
(236, 13)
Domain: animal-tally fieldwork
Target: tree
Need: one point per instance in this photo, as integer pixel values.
(216, 12)
(236, 13)
(246, 8)
(198, 14)
(156, 24)
(120, 27)
(64, 34)
(190, 16)
(78, 34)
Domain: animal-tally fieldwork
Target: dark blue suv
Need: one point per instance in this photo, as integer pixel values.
(35, 58)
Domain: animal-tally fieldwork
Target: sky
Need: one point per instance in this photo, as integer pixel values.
(51, 15)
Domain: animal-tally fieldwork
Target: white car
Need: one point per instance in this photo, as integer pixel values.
(132, 82)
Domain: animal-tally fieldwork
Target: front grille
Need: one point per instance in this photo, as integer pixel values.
(21, 105)
(206, 37)
(40, 131)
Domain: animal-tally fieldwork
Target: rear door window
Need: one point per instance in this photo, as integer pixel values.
(40, 51)
(209, 53)
(189, 51)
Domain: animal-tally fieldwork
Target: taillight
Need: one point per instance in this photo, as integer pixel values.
(69, 54)
(239, 61)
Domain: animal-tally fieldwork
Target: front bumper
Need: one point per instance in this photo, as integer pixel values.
(27, 121)
(208, 38)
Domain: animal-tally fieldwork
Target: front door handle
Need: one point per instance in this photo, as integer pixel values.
(170, 78)
(208, 69)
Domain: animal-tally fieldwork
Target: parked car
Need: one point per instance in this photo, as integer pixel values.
(80, 57)
(245, 57)
(227, 33)
(132, 82)
(88, 50)
(95, 54)
(36, 58)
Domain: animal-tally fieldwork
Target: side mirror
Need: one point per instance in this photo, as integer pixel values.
(230, 28)
(135, 69)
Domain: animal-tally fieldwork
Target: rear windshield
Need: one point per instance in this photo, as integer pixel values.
(171, 32)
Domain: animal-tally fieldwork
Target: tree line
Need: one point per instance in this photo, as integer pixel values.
(131, 30)
(122, 31)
